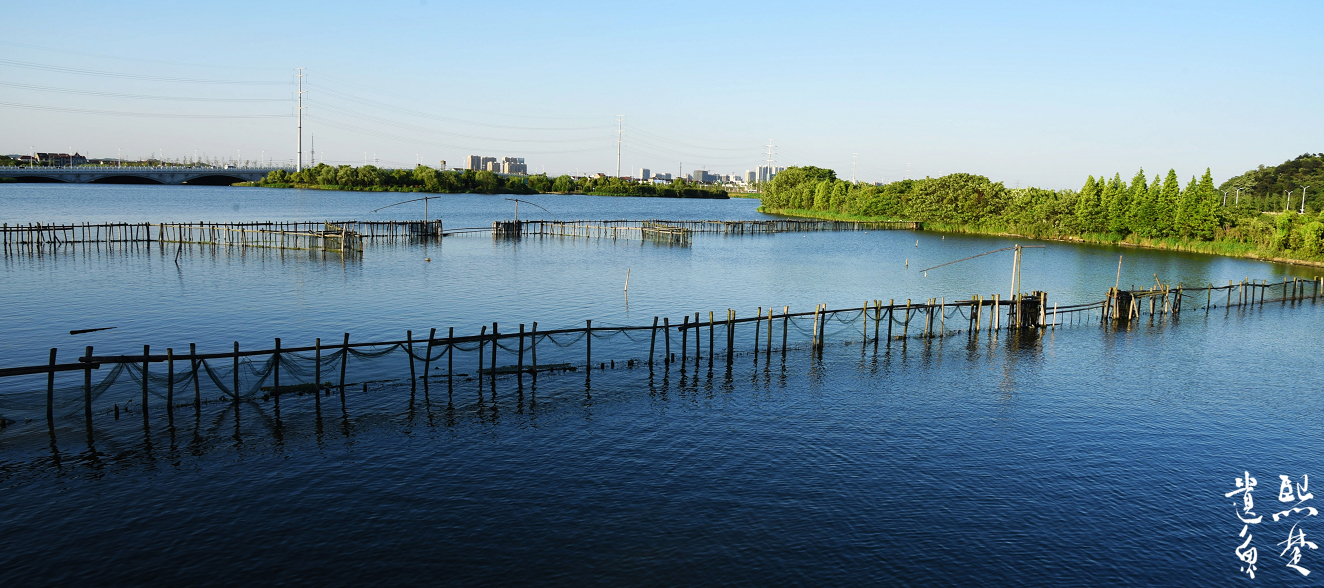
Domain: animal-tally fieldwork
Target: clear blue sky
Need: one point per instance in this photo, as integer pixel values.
(1031, 93)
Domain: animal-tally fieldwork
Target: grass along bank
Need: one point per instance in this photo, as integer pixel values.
(1218, 247)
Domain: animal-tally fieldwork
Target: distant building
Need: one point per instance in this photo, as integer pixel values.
(475, 163)
(60, 159)
(644, 175)
(442, 167)
(514, 165)
(665, 176)
(487, 164)
(750, 176)
(702, 176)
(767, 172)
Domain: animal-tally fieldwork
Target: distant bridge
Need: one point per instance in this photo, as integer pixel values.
(202, 175)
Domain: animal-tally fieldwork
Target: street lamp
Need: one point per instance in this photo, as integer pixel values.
(1303, 199)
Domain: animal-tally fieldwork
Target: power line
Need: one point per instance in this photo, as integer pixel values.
(421, 114)
(135, 96)
(90, 72)
(403, 139)
(411, 127)
(135, 114)
(120, 58)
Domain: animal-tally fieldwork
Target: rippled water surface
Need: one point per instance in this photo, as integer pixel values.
(1079, 456)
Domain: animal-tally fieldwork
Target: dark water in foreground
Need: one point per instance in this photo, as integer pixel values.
(1082, 457)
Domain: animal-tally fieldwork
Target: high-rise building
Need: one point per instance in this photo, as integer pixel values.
(702, 176)
(475, 163)
(443, 165)
(644, 174)
(514, 165)
(767, 172)
(750, 176)
(487, 164)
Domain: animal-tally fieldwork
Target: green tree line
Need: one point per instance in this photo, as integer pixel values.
(427, 179)
(1104, 209)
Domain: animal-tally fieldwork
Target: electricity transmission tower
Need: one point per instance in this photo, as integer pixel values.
(620, 118)
(298, 166)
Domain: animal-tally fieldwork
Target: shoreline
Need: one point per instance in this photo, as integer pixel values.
(1247, 251)
(424, 191)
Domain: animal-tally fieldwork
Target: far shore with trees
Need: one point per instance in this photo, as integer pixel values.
(1261, 219)
(427, 179)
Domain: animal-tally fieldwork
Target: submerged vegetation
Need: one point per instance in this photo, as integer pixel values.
(426, 179)
(1161, 212)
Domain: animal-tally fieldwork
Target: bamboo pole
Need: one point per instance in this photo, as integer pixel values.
(170, 385)
(87, 392)
(652, 344)
(50, 392)
(409, 350)
(684, 340)
(666, 340)
(427, 361)
(146, 354)
(197, 386)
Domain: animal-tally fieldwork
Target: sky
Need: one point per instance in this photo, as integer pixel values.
(1028, 93)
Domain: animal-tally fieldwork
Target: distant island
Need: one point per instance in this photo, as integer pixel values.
(426, 179)
(1259, 214)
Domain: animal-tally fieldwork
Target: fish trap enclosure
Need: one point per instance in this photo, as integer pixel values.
(78, 391)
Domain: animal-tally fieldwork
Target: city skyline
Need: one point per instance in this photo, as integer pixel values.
(1026, 94)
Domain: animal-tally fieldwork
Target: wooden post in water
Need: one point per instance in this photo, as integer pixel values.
(891, 310)
(87, 390)
(50, 390)
(450, 359)
(758, 331)
(519, 364)
(235, 371)
(197, 387)
(482, 338)
(698, 341)
(427, 361)
(495, 342)
(684, 340)
(652, 344)
(344, 362)
(588, 346)
(864, 323)
(942, 317)
(666, 339)
(317, 370)
(905, 325)
(170, 384)
(146, 349)
(275, 370)
(785, 321)
(532, 350)
(767, 353)
(730, 335)
(409, 350)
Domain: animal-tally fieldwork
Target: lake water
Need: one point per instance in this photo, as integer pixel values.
(1082, 456)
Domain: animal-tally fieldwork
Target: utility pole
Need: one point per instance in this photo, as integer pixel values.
(312, 157)
(854, 161)
(1303, 199)
(298, 165)
(620, 118)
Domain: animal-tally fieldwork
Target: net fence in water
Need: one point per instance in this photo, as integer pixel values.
(181, 380)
